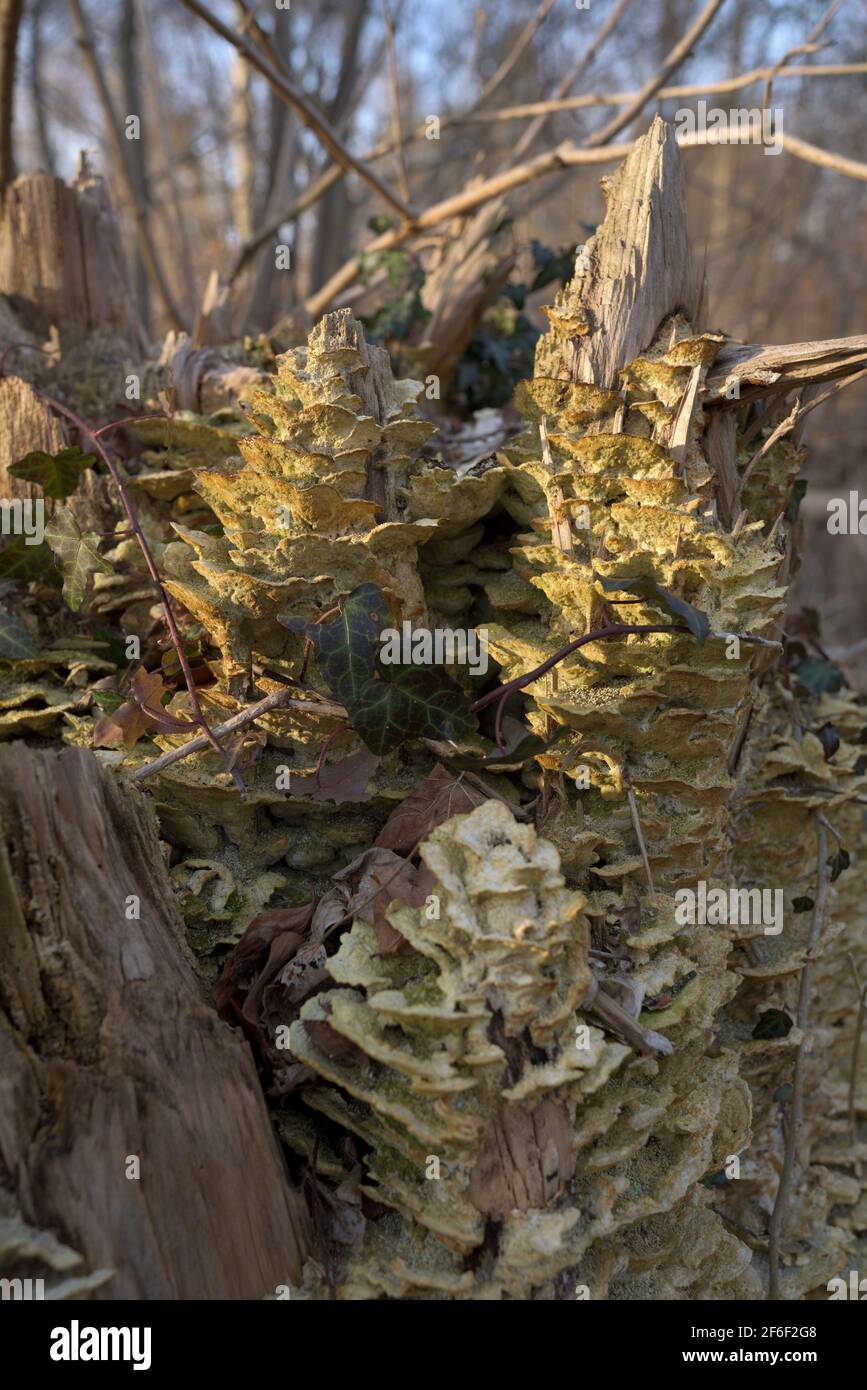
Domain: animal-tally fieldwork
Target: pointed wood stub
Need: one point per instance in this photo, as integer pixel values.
(634, 271)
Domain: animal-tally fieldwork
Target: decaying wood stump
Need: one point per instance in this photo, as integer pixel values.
(132, 1124)
(62, 261)
(26, 425)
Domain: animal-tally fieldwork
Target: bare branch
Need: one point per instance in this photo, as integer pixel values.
(852, 168)
(516, 52)
(278, 699)
(591, 99)
(795, 415)
(565, 156)
(472, 197)
(314, 121)
(566, 83)
(678, 54)
(808, 46)
(310, 196)
(400, 159)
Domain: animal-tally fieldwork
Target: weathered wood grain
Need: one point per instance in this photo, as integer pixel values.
(759, 369)
(108, 1051)
(637, 269)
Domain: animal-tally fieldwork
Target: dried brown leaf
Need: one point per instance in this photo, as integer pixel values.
(439, 797)
(340, 782)
(130, 721)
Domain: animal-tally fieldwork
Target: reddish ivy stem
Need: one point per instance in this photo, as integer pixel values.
(128, 420)
(320, 761)
(135, 525)
(503, 692)
(18, 347)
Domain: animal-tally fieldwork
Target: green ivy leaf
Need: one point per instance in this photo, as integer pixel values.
(380, 223)
(413, 702)
(24, 564)
(107, 700)
(646, 587)
(15, 640)
(386, 704)
(57, 474)
(818, 676)
(773, 1023)
(838, 863)
(77, 553)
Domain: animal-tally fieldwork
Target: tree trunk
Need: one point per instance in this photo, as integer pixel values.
(10, 21)
(129, 62)
(37, 94)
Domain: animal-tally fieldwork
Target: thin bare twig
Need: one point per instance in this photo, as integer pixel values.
(808, 46)
(516, 52)
(278, 699)
(571, 77)
(639, 835)
(785, 426)
(590, 99)
(796, 1103)
(305, 200)
(504, 692)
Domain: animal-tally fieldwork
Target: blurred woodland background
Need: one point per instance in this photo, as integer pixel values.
(240, 225)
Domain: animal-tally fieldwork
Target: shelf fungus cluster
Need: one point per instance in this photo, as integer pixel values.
(497, 1127)
(511, 1157)
(310, 511)
(545, 1082)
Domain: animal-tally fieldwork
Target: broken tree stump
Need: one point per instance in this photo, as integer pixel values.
(62, 262)
(634, 271)
(132, 1124)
